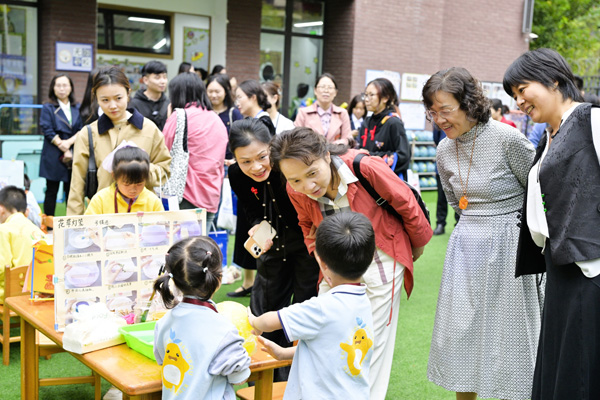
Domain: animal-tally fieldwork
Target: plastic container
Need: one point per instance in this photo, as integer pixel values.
(140, 337)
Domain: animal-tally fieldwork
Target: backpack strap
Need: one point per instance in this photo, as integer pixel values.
(380, 201)
(91, 156)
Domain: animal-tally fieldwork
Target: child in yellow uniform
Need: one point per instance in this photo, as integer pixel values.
(17, 233)
(130, 171)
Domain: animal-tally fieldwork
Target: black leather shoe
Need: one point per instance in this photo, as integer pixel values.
(439, 230)
(242, 293)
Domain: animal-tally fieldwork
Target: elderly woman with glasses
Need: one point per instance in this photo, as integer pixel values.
(383, 134)
(323, 116)
(487, 321)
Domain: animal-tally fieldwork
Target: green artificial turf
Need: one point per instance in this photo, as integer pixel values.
(409, 372)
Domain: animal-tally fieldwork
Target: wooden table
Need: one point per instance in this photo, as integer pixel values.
(138, 377)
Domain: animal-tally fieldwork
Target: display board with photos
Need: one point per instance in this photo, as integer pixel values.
(114, 258)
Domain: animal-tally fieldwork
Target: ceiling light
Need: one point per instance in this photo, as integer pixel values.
(307, 24)
(160, 44)
(149, 20)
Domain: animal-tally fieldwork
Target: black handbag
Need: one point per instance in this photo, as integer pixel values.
(91, 178)
(381, 202)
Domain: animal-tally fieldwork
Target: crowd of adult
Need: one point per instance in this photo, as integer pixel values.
(521, 209)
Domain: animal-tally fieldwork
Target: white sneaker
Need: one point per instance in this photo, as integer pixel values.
(113, 394)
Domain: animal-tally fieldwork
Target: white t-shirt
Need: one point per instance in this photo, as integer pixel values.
(282, 124)
(335, 345)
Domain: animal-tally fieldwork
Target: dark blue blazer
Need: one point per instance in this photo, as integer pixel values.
(53, 121)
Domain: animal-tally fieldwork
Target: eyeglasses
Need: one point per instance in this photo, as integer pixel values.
(431, 115)
(326, 88)
(368, 95)
(62, 85)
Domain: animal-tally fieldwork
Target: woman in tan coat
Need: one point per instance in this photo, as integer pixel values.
(116, 124)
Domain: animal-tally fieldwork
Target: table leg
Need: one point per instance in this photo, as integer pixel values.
(29, 363)
(263, 389)
(148, 396)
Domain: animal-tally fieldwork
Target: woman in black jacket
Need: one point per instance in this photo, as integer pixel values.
(383, 134)
(285, 269)
(560, 224)
(60, 121)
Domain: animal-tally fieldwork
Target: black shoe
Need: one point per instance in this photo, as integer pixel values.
(242, 293)
(439, 230)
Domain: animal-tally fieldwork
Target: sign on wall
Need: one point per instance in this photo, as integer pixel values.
(74, 56)
(392, 76)
(196, 47)
(412, 86)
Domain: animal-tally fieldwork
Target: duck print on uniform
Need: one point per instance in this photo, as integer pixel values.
(174, 365)
(357, 350)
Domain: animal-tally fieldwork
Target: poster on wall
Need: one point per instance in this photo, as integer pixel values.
(392, 76)
(413, 116)
(495, 90)
(196, 46)
(133, 70)
(114, 258)
(74, 56)
(11, 173)
(412, 86)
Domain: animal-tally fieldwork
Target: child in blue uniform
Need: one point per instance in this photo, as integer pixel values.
(200, 351)
(335, 330)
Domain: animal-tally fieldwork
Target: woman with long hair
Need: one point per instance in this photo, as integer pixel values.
(383, 134)
(274, 96)
(323, 116)
(487, 322)
(321, 181)
(560, 224)
(116, 124)
(221, 99)
(60, 121)
(206, 143)
(252, 102)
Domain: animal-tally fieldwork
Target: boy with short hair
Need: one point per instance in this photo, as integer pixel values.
(334, 330)
(153, 103)
(17, 233)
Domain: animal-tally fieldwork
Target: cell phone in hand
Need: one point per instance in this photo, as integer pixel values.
(258, 241)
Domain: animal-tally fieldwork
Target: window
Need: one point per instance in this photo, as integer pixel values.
(291, 46)
(134, 32)
(18, 68)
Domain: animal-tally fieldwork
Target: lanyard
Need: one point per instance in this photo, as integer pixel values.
(130, 203)
(198, 302)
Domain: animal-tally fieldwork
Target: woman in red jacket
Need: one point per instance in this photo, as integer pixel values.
(321, 182)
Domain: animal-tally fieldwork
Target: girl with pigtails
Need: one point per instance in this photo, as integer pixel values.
(204, 363)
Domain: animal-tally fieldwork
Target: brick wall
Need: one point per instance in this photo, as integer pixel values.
(64, 21)
(243, 38)
(339, 44)
(424, 36)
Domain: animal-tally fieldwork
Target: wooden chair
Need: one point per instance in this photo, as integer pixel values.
(13, 286)
(248, 393)
(47, 223)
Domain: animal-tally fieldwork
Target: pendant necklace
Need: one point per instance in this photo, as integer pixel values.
(463, 202)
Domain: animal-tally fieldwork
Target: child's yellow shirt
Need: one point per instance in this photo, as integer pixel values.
(103, 202)
(17, 235)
